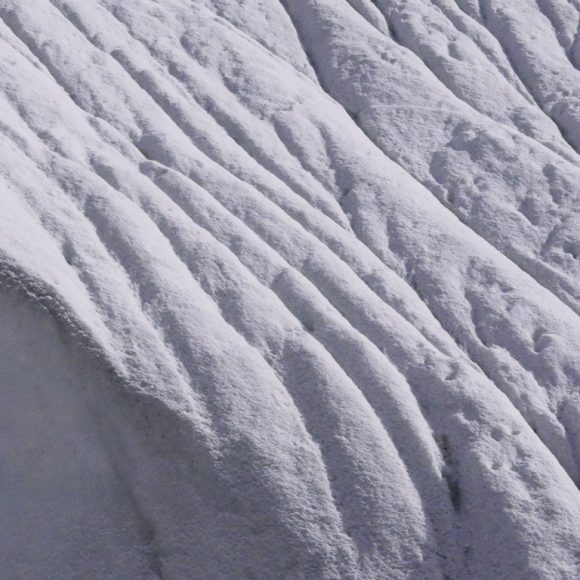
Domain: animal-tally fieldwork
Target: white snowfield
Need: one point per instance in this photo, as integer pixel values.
(289, 289)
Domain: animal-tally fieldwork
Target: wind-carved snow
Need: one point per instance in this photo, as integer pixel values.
(290, 289)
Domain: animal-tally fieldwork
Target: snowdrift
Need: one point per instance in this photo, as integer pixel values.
(290, 289)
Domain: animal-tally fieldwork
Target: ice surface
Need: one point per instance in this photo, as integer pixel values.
(290, 289)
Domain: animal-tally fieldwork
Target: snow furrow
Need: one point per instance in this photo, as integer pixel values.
(283, 296)
(499, 25)
(345, 350)
(135, 282)
(556, 288)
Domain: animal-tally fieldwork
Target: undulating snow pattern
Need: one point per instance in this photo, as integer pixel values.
(290, 289)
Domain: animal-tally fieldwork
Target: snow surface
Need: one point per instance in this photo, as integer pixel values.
(290, 289)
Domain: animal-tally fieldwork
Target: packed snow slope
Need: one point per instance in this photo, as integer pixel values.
(290, 289)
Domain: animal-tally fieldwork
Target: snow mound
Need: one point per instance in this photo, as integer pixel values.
(290, 289)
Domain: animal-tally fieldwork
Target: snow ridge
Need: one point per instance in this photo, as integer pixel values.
(290, 289)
